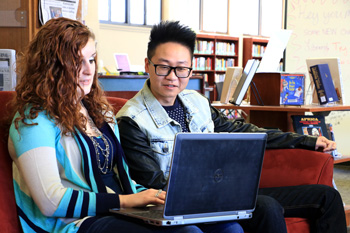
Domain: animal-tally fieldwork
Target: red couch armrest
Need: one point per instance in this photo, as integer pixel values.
(116, 102)
(289, 167)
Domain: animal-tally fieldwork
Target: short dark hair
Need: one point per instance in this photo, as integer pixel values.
(170, 31)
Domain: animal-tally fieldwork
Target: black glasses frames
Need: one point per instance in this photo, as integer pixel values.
(164, 70)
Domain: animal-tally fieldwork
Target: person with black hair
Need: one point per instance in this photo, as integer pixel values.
(163, 107)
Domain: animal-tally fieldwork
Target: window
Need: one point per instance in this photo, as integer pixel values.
(271, 16)
(255, 17)
(215, 16)
(130, 12)
(185, 11)
(235, 17)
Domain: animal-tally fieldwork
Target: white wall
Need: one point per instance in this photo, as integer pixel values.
(321, 29)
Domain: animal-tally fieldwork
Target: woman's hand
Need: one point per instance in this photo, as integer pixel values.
(149, 196)
(325, 145)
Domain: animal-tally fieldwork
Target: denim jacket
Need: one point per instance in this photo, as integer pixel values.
(154, 121)
(147, 133)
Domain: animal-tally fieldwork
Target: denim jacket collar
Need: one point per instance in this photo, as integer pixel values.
(156, 110)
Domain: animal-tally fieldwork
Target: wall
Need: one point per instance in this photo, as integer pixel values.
(321, 29)
(116, 39)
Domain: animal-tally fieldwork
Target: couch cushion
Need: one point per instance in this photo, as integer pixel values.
(297, 225)
(290, 167)
(8, 215)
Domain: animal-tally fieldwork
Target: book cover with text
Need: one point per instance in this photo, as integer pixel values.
(313, 125)
(292, 89)
(325, 89)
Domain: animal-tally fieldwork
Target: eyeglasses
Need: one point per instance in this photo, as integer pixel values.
(163, 70)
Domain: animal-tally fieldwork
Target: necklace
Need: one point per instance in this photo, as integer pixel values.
(99, 150)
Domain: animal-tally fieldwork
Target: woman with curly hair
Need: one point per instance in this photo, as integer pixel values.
(69, 168)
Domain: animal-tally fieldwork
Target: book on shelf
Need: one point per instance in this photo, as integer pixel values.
(231, 79)
(324, 85)
(202, 63)
(335, 69)
(244, 82)
(292, 89)
(314, 125)
(222, 63)
(225, 48)
(258, 50)
(204, 47)
(7, 69)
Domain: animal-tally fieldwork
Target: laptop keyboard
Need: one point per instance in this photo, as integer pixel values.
(151, 214)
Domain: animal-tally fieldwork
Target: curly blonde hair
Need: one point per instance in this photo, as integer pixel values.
(48, 72)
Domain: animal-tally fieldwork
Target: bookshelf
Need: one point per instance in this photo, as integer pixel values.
(253, 48)
(213, 53)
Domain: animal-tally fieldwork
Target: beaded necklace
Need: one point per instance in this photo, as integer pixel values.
(106, 153)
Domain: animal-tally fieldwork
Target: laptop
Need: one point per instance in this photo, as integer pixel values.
(213, 177)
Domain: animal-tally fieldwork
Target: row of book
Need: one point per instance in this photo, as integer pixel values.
(202, 63)
(225, 48)
(222, 63)
(206, 63)
(258, 50)
(204, 47)
(221, 48)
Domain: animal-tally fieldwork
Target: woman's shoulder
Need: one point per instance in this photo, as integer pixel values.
(41, 123)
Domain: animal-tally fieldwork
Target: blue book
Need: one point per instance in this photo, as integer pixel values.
(292, 89)
(325, 89)
(313, 125)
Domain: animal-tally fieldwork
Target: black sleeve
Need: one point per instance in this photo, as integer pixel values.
(276, 139)
(144, 169)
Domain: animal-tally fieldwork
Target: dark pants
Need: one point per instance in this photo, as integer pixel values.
(112, 224)
(319, 203)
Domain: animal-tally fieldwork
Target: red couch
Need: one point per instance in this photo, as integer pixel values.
(281, 167)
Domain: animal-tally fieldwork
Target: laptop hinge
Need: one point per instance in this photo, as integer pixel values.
(178, 218)
(241, 212)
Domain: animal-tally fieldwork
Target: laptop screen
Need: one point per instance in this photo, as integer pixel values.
(215, 172)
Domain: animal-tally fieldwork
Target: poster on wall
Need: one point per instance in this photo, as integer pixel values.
(50, 9)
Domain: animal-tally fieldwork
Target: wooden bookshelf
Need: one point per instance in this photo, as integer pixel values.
(280, 116)
(213, 53)
(254, 48)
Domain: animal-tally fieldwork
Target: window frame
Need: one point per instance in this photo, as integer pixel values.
(259, 23)
(201, 19)
(127, 15)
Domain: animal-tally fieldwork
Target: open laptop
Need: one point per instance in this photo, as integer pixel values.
(213, 177)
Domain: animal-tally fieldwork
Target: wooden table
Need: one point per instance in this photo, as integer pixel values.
(342, 159)
(280, 116)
